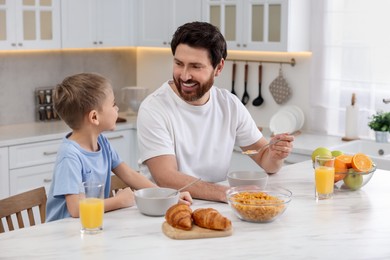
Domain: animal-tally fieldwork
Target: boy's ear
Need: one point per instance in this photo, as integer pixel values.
(93, 118)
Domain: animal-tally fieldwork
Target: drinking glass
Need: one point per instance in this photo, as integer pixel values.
(91, 206)
(324, 177)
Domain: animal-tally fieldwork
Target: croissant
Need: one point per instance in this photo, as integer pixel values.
(179, 216)
(211, 219)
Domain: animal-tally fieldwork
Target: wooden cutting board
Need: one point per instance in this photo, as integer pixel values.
(195, 233)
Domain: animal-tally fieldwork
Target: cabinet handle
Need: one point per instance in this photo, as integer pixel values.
(20, 44)
(115, 137)
(100, 42)
(165, 43)
(46, 180)
(94, 42)
(49, 153)
(244, 45)
(238, 45)
(13, 44)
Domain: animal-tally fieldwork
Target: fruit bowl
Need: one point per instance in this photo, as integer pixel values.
(353, 180)
(253, 204)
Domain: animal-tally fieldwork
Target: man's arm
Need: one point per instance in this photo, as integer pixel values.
(165, 172)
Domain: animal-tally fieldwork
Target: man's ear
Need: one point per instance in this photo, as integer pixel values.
(93, 117)
(219, 68)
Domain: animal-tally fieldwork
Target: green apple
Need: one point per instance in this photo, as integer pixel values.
(320, 151)
(336, 153)
(353, 181)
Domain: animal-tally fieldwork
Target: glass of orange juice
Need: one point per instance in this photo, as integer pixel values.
(324, 177)
(91, 206)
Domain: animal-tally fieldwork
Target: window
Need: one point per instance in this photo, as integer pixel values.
(351, 52)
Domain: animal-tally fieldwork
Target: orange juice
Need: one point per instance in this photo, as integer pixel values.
(324, 177)
(91, 213)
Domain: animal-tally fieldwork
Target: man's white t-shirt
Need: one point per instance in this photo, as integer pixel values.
(201, 137)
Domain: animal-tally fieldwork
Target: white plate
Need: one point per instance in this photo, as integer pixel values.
(283, 121)
(298, 113)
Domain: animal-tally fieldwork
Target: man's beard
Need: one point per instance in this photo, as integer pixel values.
(197, 93)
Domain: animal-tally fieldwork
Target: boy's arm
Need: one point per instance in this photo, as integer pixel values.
(134, 179)
(123, 199)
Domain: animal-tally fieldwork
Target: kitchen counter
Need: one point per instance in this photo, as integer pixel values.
(352, 225)
(44, 131)
(305, 143)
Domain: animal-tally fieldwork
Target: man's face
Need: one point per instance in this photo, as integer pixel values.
(193, 74)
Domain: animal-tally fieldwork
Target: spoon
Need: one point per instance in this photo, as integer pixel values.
(259, 100)
(245, 97)
(253, 152)
(182, 188)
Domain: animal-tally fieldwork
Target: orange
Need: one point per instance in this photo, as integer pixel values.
(346, 158)
(342, 163)
(361, 162)
(338, 177)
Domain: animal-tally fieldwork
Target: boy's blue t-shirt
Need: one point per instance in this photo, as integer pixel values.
(75, 165)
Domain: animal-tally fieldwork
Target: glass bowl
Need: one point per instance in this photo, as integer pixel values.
(353, 180)
(253, 204)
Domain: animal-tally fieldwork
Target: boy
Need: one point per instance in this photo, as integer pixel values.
(86, 103)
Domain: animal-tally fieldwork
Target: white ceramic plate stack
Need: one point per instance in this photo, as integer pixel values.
(287, 120)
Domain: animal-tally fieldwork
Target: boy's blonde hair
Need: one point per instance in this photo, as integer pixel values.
(78, 95)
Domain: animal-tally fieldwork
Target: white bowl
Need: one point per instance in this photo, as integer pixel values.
(155, 201)
(245, 178)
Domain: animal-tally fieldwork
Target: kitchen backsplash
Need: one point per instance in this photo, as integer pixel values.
(21, 73)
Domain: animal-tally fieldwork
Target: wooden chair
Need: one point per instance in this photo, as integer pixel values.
(18, 204)
(116, 184)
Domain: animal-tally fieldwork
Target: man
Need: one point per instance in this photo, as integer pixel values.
(188, 128)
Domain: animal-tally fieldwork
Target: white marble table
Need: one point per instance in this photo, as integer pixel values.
(353, 225)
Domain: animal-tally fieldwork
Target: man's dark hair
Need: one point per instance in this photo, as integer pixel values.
(201, 35)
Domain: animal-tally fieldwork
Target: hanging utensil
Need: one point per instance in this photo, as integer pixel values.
(245, 97)
(259, 100)
(279, 88)
(233, 78)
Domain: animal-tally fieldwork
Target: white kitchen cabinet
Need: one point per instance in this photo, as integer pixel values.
(4, 177)
(123, 143)
(24, 179)
(265, 25)
(30, 24)
(31, 165)
(98, 23)
(159, 19)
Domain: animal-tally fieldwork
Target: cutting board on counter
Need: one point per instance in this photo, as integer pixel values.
(195, 233)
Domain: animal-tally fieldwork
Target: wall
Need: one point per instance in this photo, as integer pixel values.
(154, 66)
(22, 72)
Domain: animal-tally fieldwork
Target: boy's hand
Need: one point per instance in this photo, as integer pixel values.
(125, 197)
(185, 198)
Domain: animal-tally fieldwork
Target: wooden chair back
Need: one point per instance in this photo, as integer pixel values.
(14, 207)
(116, 184)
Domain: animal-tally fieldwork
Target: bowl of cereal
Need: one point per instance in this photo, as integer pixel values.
(253, 204)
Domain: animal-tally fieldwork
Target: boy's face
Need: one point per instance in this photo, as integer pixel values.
(193, 74)
(108, 113)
